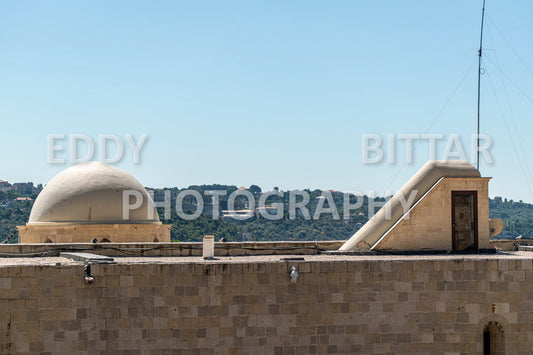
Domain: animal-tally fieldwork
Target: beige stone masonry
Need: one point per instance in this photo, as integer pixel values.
(85, 233)
(428, 225)
(343, 306)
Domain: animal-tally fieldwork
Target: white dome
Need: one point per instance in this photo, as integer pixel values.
(91, 193)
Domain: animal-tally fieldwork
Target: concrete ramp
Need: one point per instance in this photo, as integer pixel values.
(429, 175)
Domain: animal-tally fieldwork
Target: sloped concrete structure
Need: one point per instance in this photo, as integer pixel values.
(86, 202)
(444, 206)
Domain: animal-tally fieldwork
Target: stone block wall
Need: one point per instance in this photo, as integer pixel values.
(413, 305)
(85, 233)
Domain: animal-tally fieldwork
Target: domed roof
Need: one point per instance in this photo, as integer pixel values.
(92, 193)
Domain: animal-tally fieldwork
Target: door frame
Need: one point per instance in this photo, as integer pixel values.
(476, 222)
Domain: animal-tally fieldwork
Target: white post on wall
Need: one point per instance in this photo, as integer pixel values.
(209, 247)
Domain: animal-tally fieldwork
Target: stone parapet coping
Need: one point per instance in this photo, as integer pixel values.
(169, 249)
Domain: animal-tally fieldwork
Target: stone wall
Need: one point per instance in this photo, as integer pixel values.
(85, 233)
(411, 305)
(171, 249)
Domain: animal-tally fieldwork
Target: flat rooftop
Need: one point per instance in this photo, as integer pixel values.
(249, 259)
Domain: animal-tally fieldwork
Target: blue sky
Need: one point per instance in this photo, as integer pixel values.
(272, 93)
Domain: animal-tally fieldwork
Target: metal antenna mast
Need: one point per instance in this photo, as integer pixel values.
(479, 79)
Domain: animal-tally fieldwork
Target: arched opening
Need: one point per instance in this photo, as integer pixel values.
(156, 240)
(493, 340)
(48, 240)
(105, 240)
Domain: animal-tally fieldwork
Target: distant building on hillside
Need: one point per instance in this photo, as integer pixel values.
(5, 186)
(23, 199)
(236, 214)
(24, 188)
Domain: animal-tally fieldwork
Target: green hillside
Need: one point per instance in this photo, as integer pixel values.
(518, 216)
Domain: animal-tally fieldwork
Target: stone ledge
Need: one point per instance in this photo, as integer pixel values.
(170, 249)
(525, 247)
(87, 257)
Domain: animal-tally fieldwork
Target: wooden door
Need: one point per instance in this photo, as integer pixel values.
(464, 221)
